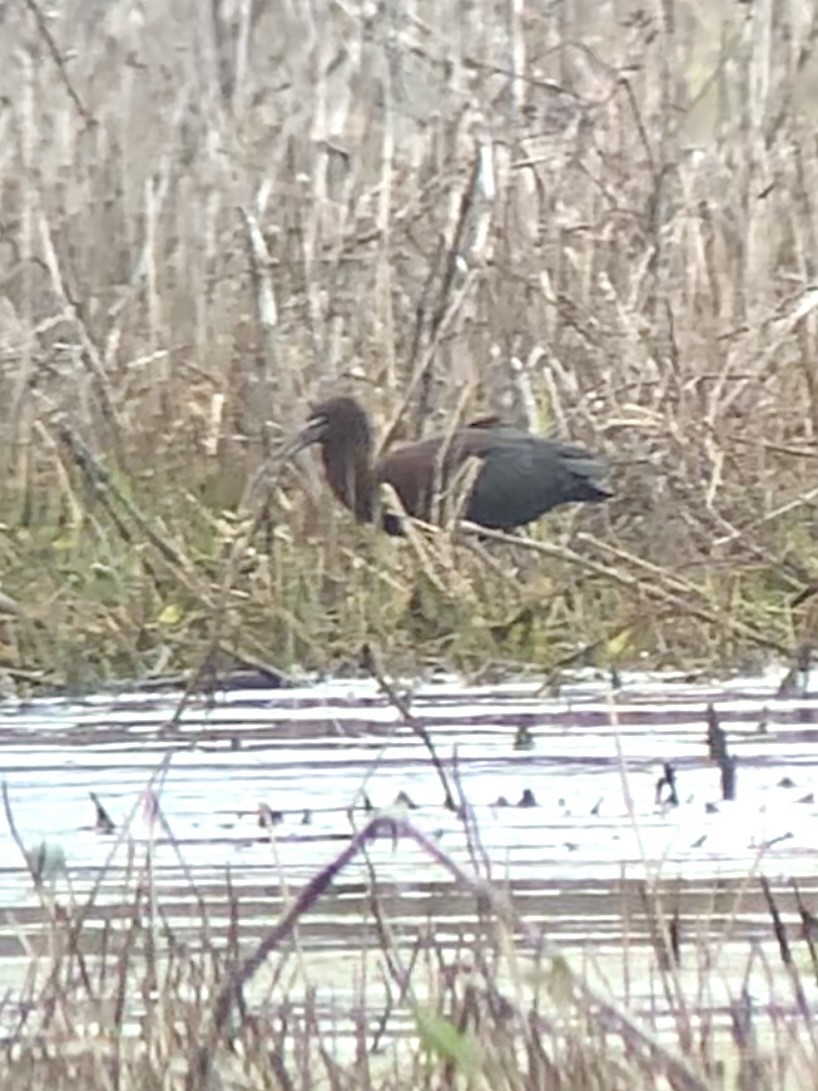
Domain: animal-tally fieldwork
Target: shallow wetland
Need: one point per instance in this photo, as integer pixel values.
(595, 865)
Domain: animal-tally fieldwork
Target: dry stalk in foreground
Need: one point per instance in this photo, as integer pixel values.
(133, 993)
(577, 219)
(677, 1071)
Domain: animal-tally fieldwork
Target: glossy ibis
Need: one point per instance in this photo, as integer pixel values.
(520, 476)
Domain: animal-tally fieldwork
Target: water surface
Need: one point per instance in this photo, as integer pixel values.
(575, 863)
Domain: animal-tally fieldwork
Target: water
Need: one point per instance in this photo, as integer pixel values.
(574, 864)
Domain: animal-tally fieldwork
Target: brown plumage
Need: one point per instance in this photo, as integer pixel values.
(520, 476)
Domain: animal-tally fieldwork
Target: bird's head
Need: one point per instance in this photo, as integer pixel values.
(338, 423)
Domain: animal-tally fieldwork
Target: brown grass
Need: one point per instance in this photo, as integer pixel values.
(594, 216)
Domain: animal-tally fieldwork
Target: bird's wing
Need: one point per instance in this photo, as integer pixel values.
(523, 477)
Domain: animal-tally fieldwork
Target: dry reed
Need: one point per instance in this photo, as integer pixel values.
(585, 215)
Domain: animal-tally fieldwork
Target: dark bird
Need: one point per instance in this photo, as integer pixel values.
(519, 477)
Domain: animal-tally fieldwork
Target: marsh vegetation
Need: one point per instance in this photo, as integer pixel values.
(593, 217)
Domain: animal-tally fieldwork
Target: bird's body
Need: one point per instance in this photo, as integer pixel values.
(518, 476)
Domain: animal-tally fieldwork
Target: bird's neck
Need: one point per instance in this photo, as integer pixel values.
(352, 480)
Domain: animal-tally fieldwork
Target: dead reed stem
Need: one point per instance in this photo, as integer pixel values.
(569, 217)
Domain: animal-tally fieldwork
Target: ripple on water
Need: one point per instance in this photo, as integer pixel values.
(572, 861)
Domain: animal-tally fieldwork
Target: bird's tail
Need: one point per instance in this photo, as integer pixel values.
(590, 492)
(586, 470)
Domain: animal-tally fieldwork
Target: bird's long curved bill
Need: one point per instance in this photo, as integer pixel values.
(311, 433)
